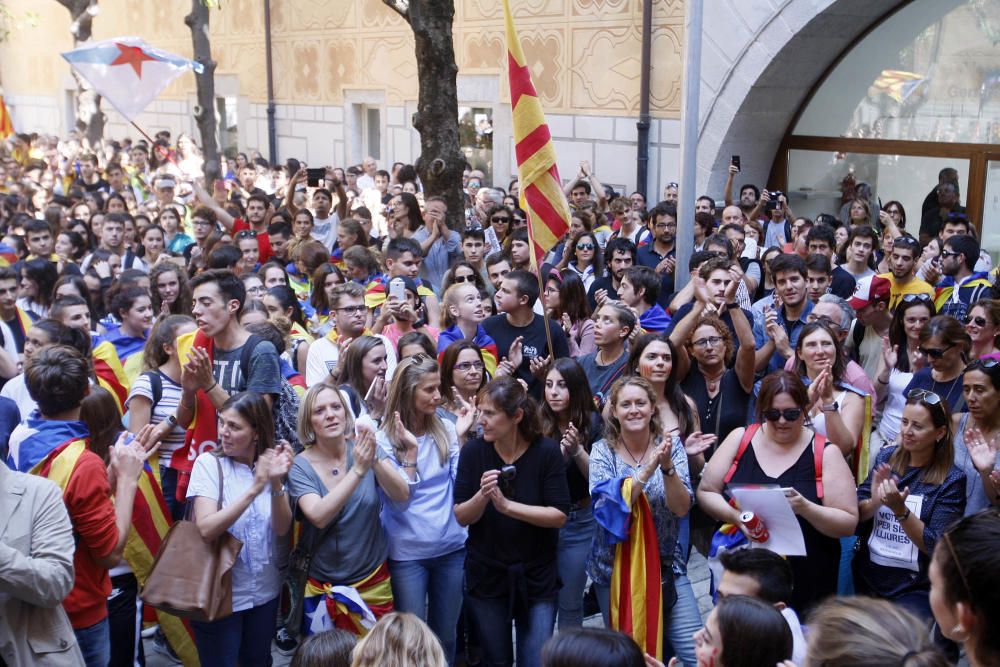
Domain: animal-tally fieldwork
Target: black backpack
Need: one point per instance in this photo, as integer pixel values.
(286, 405)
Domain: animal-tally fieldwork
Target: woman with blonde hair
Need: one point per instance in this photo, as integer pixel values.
(400, 640)
(333, 483)
(426, 544)
(868, 632)
(635, 448)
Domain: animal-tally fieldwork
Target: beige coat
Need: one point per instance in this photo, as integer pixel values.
(36, 573)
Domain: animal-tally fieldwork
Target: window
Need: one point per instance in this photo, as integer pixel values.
(930, 72)
(373, 132)
(475, 138)
(229, 128)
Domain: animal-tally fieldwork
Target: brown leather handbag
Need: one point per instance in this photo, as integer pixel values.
(192, 577)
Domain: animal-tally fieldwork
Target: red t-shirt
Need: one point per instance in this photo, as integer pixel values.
(88, 500)
(263, 240)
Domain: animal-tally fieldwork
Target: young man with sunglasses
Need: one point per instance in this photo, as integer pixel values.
(961, 286)
(902, 261)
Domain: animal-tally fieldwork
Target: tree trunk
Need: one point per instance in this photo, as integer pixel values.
(89, 118)
(204, 112)
(441, 163)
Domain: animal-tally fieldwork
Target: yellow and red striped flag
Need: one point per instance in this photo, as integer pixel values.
(6, 123)
(542, 195)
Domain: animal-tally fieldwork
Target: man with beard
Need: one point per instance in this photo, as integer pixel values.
(660, 255)
(902, 260)
(619, 255)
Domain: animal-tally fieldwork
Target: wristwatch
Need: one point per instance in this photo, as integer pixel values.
(830, 407)
(732, 306)
(280, 492)
(172, 420)
(904, 517)
(669, 472)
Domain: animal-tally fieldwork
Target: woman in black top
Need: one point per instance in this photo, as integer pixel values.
(568, 415)
(781, 448)
(718, 382)
(511, 491)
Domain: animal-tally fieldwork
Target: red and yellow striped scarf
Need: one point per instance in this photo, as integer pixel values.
(111, 374)
(636, 586)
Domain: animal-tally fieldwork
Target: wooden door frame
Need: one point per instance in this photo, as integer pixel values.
(977, 155)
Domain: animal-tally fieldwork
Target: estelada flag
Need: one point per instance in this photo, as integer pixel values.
(6, 124)
(110, 373)
(128, 72)
(542, 195)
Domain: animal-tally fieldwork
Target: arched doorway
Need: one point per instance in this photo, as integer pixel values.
(918, 93)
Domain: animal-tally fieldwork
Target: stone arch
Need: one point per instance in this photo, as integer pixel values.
(753, 86)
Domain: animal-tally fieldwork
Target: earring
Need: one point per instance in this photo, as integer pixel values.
(959, 632)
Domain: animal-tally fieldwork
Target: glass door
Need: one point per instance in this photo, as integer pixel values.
(991, 210)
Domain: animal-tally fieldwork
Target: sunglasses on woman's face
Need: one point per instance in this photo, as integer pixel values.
(978, 321)
(584, 246)
(790, 414)
(934, 352)
(501, 219)
(462, 279)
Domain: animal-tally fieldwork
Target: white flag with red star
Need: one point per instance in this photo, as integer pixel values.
(128, 72)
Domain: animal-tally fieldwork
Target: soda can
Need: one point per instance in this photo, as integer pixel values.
(756, 528)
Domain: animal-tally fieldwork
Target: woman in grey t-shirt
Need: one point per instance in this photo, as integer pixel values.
(333, 484)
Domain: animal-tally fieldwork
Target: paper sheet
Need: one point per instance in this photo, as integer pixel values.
(768, 502)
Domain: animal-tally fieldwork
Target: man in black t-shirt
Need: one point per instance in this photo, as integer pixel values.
(520, 333)
(619, 255)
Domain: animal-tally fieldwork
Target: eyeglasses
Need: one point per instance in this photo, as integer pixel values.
(502, 219)
(925, 395)
(198, 222)
(981, 363)
(711, 341)
(790, 414)
(823, 319)
(978, 321)
(259, 289)
(894, 212)
(463, 279)
(906, 241)
(672, 184)
(933, 352)
(584, 246)
(912, 298)
(660, 226)
(353, 310)
(466, 366)
(246, 234)
(949, 253)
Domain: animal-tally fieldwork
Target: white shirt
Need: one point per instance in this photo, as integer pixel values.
(256, 577)
(324, 355)
(17, 390)
(325, 230)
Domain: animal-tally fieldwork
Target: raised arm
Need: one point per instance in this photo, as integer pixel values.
(205, 198)
(727, 190)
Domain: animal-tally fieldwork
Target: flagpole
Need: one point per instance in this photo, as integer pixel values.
(541, 291)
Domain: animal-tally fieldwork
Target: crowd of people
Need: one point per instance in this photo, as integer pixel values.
(469, 444)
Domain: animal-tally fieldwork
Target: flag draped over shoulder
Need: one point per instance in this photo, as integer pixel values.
(541, 190)
(636, 586)
(110, 373)
(46, 440)
(128, 72)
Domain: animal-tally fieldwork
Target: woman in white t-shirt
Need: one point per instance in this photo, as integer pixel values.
(155, 396)
(254, 508)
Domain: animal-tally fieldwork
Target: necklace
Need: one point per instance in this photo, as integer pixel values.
(946, 397)
(638, 462)
(713, 382)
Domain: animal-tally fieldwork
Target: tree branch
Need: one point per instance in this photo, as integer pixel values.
(401, 7)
